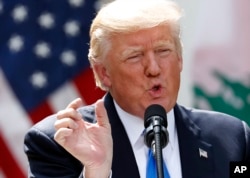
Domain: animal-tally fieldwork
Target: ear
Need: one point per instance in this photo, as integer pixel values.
(102, 73)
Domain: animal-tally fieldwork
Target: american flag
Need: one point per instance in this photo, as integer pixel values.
(43, 66)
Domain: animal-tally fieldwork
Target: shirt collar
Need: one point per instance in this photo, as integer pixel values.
(135, 125)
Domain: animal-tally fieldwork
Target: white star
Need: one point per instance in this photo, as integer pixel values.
(72, 28)
(20, 13)
(16, 43)
(38, 79)
(46, 20)
(68, 57)
(76, 3)
(42, 49)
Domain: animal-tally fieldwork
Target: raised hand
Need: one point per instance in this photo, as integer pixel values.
(90, 143)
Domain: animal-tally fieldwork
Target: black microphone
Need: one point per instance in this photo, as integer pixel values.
(156, 134)
(155, 121)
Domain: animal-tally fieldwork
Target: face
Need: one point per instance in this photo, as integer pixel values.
(142, 68)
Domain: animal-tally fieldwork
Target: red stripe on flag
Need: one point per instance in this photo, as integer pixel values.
(86, 86)
(7, 162)
(40, 112)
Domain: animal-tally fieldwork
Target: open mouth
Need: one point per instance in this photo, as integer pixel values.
(156, 90)
(156, 87)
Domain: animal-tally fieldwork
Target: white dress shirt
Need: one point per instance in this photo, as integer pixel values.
(134, 127)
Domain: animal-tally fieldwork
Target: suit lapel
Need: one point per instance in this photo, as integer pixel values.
(124, 163)
(196, 155)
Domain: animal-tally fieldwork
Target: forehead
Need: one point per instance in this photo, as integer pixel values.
(151, 37)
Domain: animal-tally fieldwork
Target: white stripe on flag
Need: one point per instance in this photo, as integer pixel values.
(14, 122)
(63, 96)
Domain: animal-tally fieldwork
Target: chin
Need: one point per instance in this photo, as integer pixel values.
(163, 103)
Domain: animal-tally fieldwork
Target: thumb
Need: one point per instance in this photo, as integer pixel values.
(101, 114)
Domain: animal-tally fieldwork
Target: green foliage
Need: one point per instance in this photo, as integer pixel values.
(233, 98)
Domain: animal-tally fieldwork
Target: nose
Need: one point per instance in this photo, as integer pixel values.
(152, 66)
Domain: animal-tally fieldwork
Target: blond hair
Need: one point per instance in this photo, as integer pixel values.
(126, 16)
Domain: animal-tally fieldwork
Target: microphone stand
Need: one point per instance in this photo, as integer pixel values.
(156, 134)
(156, 147)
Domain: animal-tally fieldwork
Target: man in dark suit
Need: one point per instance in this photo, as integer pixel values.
(135, 53)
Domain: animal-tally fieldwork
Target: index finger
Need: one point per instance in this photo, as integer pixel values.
(75, 103)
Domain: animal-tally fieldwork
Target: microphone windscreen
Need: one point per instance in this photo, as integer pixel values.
(155, 110)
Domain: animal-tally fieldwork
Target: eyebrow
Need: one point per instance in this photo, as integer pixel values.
(135, 49)
(131, 50)
(163, 43)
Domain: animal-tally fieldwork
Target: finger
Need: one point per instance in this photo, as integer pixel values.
(101, 114)
(75, 103)
(65, 123)
(62, 134)
(69, 113)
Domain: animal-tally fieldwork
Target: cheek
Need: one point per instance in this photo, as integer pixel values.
(171, 73)
(128, 79)
(174, 65)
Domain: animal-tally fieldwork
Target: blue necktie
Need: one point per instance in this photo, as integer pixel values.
(151, 167)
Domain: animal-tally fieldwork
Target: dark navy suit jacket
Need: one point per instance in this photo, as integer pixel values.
(208, 141)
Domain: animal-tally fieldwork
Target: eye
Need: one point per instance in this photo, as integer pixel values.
(134, 57)
(163, 51)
